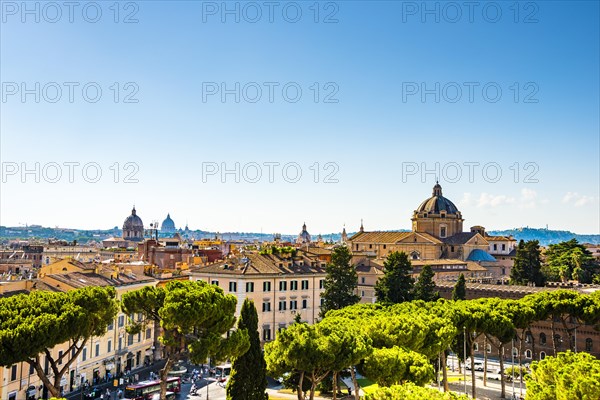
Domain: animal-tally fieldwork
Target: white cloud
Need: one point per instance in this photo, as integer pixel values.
(527, 199)
(578, 200)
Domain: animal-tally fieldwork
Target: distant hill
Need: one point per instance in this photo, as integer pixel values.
(546, 236)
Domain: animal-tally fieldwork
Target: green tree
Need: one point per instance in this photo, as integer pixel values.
(395, 286)
(569, 260)
(527, 266)
(340, 282)
(248, 379)
(31, 325)
(389, 366)
(410, 391)
(567, 376)
(348, 345)
(300, 349)
(194, 317)
(460, 289)
(425, 286)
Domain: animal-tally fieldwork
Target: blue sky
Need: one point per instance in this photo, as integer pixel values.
(376, 60)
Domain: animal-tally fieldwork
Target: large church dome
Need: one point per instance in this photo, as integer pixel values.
(437, 203)
(133, 227)
(168, 225)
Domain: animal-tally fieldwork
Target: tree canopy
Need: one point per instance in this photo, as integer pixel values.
(396, 285)
(567, 376)
(424, 288)
(527, 268)
(340, 282)
(569, 260)
(32, 324)
(410, 391)
(194, 317)
(248, 379)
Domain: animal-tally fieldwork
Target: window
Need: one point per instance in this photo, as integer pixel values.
(515, 352)
(148, 333)
(443, 231)
(294, 285)
(588, 345)
(384, 246)
(32, 369)
(293, 305)
(542, 355)
(362, 279)
(475, 347)
(282, 305)
(84, 354)
(305, 285)
(281, 327)
(266, 306)
(356, 247)
(129, 340)
(121, 320)
(216, 283)
(495, 246)
(488, 348)
(249, 287)
(97, 349)
(322, 301)
(452, 249)
(233, 286)
(266, 333)
(528, 337)
(557, 340)
(362, 293)
(111, 326)
(321, 283)
(542, 338)
(304, 304)
(266, 286)
(139, 339)
(60, 353)
(528, 354)
(503, 247)
(120, 343)
(109, 346)
(13, 373)
(282, 286)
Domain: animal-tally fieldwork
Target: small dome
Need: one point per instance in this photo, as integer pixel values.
(437, 203)
(168, 225)
(480, 255)
(304, 236)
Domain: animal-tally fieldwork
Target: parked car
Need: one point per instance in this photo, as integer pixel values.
(478, 366)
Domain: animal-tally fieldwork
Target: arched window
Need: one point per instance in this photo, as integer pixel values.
(475, 347)
(542, 355)
(515, 352)
(529, 337)
(488, 348)
(588, 344)
(528, 354)
(542, 338)
(557, 340)
(415, 255)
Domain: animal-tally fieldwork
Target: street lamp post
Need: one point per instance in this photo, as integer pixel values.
(465, 357)
(512, 353)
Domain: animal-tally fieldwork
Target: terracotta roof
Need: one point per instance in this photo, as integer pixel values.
(460, 238)
(390, 237)
(497, 238)
(79, 280)
(259, 264)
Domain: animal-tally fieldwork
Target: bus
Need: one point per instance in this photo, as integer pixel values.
(145, 390)
(223, 371)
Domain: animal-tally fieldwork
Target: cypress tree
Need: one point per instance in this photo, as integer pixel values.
(248, 379)
(396, 285)
(425, 286)
(460, 289)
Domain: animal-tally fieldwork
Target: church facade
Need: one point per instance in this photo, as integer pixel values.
(436, 239)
